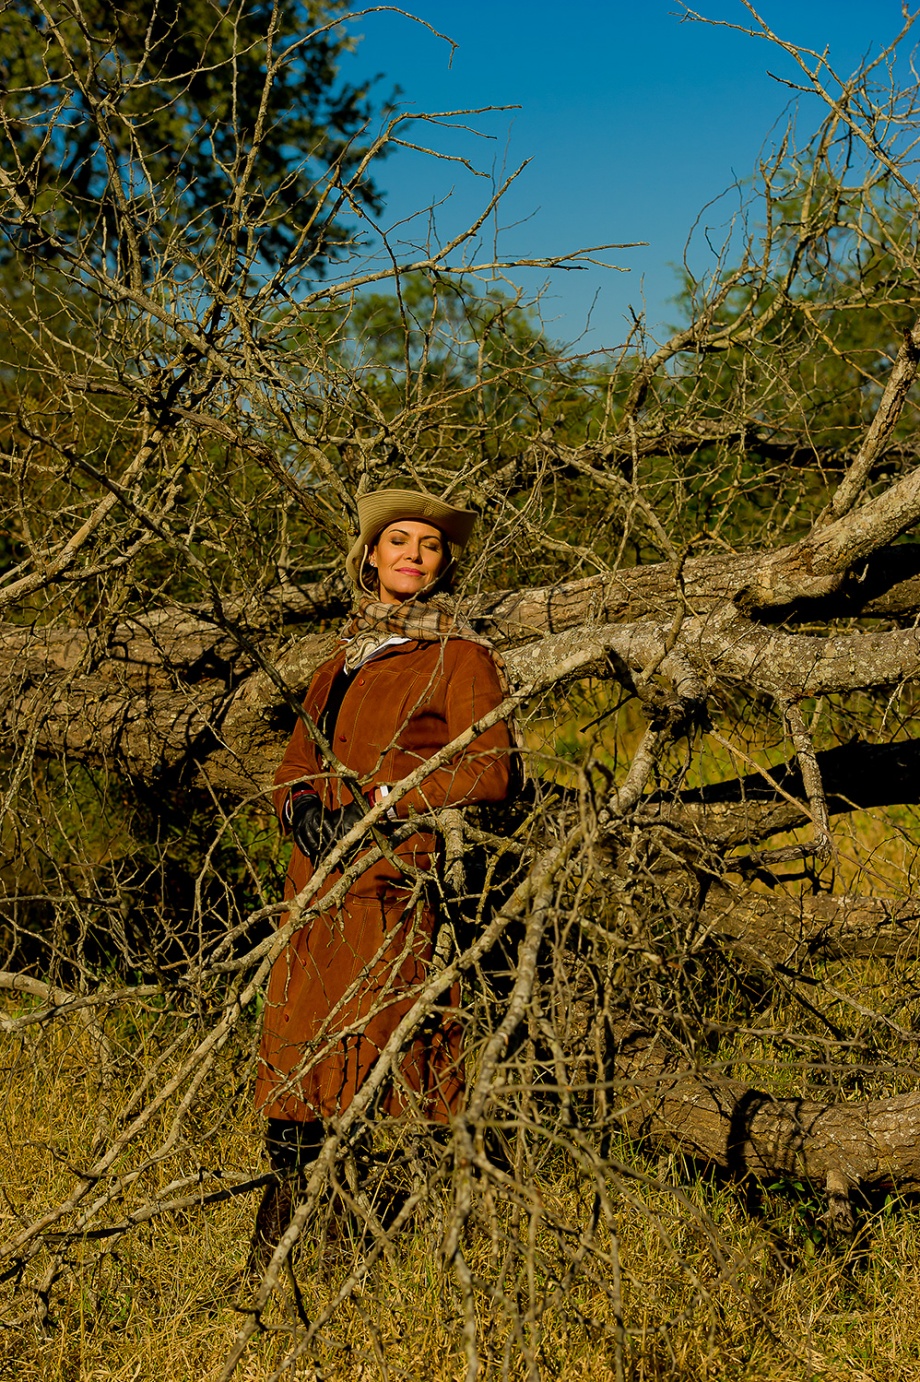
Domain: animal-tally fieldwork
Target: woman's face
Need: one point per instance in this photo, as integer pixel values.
(409, 556)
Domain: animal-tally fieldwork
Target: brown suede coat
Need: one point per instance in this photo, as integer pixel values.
(349, 976)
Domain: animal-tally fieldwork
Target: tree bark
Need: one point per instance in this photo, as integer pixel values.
(156, 701)
(872, 1144)
(789, 930)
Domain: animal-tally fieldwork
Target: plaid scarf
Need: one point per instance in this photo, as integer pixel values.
(431, 621)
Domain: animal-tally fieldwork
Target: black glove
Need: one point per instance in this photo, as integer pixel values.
(317, 828)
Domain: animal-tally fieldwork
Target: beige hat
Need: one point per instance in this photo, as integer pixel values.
(384, 506)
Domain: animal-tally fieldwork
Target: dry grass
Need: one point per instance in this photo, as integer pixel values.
(714, 1287)
(719, 1282)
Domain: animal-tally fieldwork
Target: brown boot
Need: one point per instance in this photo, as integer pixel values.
(291, 1147)
(272, 1218)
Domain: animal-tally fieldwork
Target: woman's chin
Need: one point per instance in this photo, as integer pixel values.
(401, 596)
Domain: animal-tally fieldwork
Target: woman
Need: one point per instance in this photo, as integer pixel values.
(408, 678)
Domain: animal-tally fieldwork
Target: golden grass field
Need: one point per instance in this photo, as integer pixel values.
(718, 1281)
(714, 1287)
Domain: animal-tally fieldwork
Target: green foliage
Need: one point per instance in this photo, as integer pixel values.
(149, 115)
(101, 875)
(788, 349)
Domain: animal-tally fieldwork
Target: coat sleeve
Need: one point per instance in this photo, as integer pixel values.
(301, 764)
(482, 771)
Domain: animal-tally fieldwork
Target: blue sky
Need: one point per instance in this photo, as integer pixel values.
(633, 122)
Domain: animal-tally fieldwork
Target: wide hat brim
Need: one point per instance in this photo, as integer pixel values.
(385, 506)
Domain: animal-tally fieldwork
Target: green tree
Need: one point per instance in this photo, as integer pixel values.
(198, 113)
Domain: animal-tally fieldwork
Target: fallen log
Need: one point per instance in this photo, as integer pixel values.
(788, 930)
(723, 1122)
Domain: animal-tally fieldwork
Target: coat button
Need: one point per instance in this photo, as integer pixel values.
(343, 739)
(361, 681)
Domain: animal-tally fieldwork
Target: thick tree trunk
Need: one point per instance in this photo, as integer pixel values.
(721, 1121)
(201, 705)
(787, 930)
